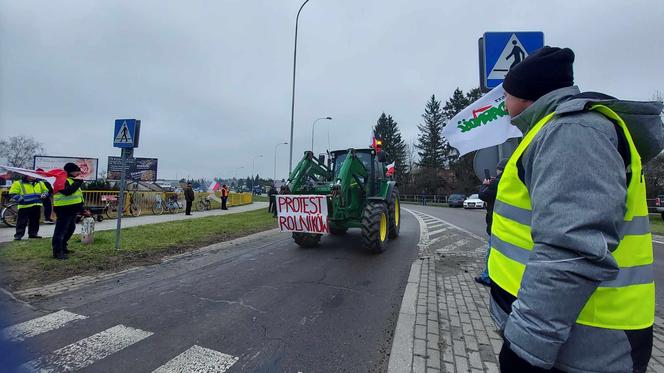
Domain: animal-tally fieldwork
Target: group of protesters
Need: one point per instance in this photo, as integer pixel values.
(32, 194)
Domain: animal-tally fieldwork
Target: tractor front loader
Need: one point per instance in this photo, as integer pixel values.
(358, 194)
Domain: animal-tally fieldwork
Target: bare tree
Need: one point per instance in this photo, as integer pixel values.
(658, 96)
(20, 150)
(411, 155)
(654, 169)
(411, 160)
(654, 175)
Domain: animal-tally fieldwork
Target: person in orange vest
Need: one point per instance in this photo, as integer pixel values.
(224, 196)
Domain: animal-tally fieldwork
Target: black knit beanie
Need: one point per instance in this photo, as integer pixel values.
(545, 70)
(71, 167)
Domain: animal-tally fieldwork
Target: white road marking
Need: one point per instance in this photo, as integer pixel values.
(87, 351)
(438, 231)
(424, 231)
(198, 359)
(40, 325)
(459, 228)
(659, 242)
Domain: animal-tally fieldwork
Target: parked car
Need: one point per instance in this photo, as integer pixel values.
(473, 202)
(659, 205)
(456, 200)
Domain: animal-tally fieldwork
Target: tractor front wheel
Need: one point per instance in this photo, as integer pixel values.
(395, 213)
(306, 239)
(375, 226)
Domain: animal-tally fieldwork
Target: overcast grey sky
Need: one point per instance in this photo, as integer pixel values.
(211, 80)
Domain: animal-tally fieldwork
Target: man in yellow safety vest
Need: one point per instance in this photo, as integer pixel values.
(28, 192)
(571, 257)
(66, 203)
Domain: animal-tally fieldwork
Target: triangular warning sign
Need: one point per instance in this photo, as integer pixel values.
(513, 53)
(124, 135)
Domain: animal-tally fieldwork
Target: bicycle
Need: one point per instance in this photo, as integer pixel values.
(9, 214)
(135, 204)
(204, 204)
(111, 206)
(173, 204)
(158, 205)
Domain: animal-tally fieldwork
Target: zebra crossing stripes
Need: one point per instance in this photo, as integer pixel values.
(450, 225)
(87, 351)
(40, 325)
(198, 359)
(442, 230)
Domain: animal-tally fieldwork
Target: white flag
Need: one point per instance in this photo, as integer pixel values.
(28, 172)
(483, 124)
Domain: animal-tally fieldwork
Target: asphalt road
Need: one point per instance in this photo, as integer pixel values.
(274, 306)
(473, 221)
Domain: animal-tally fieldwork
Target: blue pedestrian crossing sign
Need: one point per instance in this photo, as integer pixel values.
(126, 133)
(503, 50)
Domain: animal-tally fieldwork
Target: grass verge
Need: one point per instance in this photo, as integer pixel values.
(261, 198)
(29, 263)
(656, 224)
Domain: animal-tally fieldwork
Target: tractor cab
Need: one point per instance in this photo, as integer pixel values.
(373, 162)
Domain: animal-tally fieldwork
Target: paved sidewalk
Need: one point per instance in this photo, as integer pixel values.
(444, 323)
(46, 230)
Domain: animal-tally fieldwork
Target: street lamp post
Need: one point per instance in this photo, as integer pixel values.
(252, 171)
(313, 126)
(290, 159)
(274, 180)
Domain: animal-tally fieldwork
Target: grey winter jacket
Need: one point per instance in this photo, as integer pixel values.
(577, 178)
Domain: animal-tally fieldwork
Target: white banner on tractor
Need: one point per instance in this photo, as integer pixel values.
(302, 213)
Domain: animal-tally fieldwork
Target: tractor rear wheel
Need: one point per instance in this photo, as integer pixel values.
(307, 239)
(375, 226)
(395, 213)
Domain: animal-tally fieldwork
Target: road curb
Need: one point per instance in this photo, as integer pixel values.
(401, 355)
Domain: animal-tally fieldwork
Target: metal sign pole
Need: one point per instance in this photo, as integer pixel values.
(125, 137)
(125, 154)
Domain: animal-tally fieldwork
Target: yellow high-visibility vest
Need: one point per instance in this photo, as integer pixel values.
(60, 199)
(31, 194)
(626, 303)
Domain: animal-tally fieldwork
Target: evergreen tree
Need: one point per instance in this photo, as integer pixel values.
(430, 140)
(387, 128)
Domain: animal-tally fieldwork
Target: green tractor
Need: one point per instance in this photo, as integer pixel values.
(359, 195)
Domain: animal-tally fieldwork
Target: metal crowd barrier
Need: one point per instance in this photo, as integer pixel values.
(146, 199)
